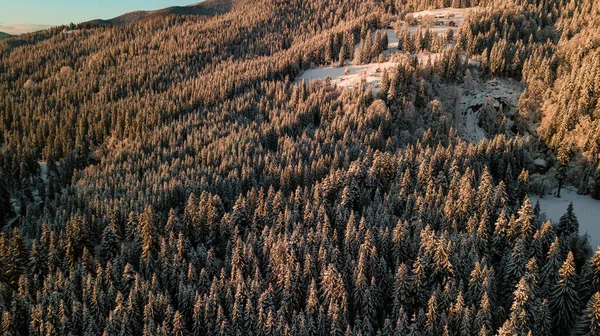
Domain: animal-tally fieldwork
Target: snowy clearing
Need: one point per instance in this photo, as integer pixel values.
(440, 19)
(586, 209)
(445, 15)
(350, 76)
(440, 30)
(392, 39)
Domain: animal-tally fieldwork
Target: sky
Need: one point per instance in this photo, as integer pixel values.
(21, 16)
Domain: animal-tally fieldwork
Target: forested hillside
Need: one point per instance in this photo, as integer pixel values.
(176, 176)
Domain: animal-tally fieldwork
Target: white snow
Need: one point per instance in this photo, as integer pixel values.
(392, 39)
(586, 209)
(445, 15)
(470, 126)
(351, 76)
(442, 18)
(475, 97)
(540, 163)
(71, 32)
(43, 171)
(440, 30)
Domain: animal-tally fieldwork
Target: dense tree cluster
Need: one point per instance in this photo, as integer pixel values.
(552, 47)
(192, 187)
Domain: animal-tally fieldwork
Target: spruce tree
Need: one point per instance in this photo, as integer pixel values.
(6, 208)
(568, 223)
(564, 299)
(590, 278)
(148, 234)
(549, 272)
(517, 322)
(590, 323)
(563, 158)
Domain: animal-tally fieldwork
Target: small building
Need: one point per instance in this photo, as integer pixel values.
(452, 24)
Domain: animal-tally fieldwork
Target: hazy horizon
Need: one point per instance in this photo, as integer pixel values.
(23, 16)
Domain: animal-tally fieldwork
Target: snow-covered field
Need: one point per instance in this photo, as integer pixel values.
(350, 76)
(392, 39)
(586, 209)
(445, 15)
(442, 18)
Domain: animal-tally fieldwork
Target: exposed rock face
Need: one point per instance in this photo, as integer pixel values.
(496, 97)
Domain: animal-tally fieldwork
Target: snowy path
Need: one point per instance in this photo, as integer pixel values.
(586, 209)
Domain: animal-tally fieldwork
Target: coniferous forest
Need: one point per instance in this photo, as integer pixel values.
(172, 176)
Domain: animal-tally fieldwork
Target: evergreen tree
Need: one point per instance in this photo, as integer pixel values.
(178, 325)
(543, 320)
(568, 223)
(590, 278)
(517, 322)
(590, 323)
(549, 272)
(109, 245)
(148, 234)
(564, 299)
(563, 160)
(6, 208)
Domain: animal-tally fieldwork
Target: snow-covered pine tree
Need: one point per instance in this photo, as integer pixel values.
(564, 299)
(590, 322)
(568, 223)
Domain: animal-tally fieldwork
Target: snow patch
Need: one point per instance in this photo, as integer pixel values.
(392, 39)
(541, 163)
(43, 170)
(439, 30)
(471, 130)
(444, 16)
(351, 76)
(71, 32)
(586, 209)
(440, 19)
(500, 92)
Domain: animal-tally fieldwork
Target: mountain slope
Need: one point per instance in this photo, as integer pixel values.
(204, 8)
(176, 176)
(3, 35)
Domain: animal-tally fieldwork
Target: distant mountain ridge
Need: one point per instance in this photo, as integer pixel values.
(3, 35)
(204, 8)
